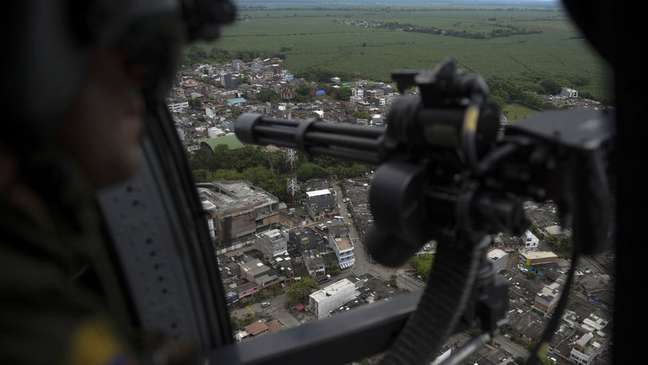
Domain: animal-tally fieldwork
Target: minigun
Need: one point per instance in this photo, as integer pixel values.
(450, 170)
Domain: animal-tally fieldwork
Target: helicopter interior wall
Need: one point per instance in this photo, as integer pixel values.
(162, 246)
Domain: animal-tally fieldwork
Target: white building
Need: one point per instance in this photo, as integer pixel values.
(499, 258)
(179, 107)
(240, 335)
(324, 301)
(376, 119)
(272, 243)
(590, 344)
(585, 350)
(595, 324)
(181, 134)
(214, 132)
(530, 241)
(236, 65)
(210, 113)
(568, 93)
(343, 250)
(210, 207)
(547, 298)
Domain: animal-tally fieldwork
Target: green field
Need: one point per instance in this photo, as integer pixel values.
(515, 112)
(319, 39)
(229, 140)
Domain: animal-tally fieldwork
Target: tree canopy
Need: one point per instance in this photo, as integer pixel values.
(267, 169)
(505, 92)
(550, 87)
(299, 291)
(268, 95)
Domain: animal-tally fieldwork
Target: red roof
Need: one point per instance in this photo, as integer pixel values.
(256, 328)
(274, 326)
(299, 307)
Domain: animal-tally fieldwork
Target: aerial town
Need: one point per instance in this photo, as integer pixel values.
(285, 263)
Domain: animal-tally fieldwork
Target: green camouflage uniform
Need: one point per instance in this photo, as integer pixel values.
(60, 297)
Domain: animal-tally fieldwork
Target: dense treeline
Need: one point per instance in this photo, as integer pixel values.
(392, 9)
(504, 92)
(196, 54)
(502, 30)
(266, 169)
(322, 75)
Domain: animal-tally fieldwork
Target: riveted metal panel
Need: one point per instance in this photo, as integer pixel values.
(144, 228)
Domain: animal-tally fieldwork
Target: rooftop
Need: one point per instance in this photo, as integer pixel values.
(584, 340)
(236, 101)
(553, 230)
(496, 254)
(272, 234)
(331, 289)
(229, 197)
(246, 286)
(314, 193)
(256, 328)
(343, 244)
(254, 267)
(274, 325)
(538, 255)
(549, 291)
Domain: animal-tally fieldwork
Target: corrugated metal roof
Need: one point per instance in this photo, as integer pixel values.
(313, 193)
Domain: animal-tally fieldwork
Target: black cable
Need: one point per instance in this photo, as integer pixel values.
(446, 294)
(590, 204)
(487, 163)
(442, 304)
(554, 321)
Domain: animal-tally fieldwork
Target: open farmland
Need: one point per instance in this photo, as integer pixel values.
(339, 40)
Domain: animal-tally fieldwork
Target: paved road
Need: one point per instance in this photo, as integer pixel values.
(407, 282)
(277, 310)
(362, 262)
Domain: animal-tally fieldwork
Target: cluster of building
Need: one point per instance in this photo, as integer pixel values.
(206, 99)
(260, 243)
(536, 276)
(570, 98)
(238, 209)
(357, 199)
(348, 293)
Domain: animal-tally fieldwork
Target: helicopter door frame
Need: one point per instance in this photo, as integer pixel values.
(161, 241)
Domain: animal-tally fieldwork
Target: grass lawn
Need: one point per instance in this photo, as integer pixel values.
(229, 140)
(515, 112)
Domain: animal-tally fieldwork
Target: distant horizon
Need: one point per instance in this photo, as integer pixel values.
(389, 3)
(397, 2)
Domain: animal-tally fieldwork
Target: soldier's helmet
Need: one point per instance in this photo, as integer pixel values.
(48, 42)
